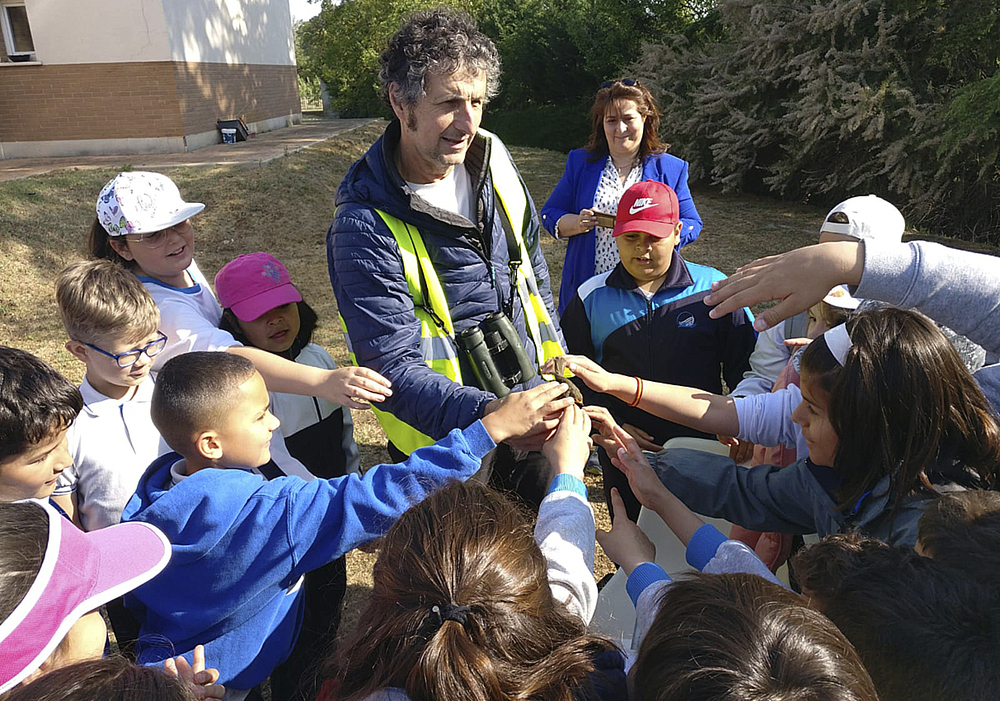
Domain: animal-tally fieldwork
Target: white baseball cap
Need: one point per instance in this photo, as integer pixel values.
(868, 217)
(140, 202)
(840, 297)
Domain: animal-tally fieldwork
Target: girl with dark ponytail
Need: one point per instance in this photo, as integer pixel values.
(469, 604)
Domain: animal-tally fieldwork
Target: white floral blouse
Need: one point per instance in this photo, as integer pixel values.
(609, 191)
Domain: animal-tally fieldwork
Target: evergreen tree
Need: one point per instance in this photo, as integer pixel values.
(823, 100)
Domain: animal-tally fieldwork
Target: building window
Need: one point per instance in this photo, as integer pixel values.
(16, 32)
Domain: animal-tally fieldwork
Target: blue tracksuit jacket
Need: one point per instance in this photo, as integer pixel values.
(669, 338)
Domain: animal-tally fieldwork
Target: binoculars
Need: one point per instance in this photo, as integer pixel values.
(496, 355)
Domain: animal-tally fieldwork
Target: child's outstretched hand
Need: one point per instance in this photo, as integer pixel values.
(569, 447)
(641, 477)
(644, 440)
(355, 387)
(200, 680)
(740, 450)
(593, 375)
(602, 420)
(526, 419)
(651, 492)
(625, 543)
(798, 278)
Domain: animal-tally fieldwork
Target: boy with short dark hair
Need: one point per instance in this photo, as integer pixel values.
(925, 631)
(37, 407)
(962, 529)
(646, 318)
(112, 323)
(241, 544)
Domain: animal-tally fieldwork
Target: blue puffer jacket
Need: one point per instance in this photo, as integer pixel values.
(367, 276)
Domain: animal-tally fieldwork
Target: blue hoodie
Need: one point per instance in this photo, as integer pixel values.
(241, 545)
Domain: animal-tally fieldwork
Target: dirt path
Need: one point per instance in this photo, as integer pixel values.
(257, 150)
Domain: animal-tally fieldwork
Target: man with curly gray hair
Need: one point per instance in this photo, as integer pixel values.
(440, 42)
(434, 232)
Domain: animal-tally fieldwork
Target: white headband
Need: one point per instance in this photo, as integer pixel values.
(839, 342)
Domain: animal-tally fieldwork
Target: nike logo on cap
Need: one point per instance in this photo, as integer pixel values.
(640, 204)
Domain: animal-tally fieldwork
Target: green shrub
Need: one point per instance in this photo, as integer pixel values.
(819, 101)
(553, 52)
(555, 127)
(310, 94)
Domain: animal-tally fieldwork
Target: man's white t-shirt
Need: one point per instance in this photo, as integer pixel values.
(452, 193)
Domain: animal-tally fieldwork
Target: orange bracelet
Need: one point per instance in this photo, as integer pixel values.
(638, 392)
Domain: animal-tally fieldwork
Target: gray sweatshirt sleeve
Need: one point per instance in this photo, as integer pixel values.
(646, 608)
(768, 359)
(734, 556)
(957, 288)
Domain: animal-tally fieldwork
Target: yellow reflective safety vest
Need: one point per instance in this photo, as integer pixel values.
(437, 333)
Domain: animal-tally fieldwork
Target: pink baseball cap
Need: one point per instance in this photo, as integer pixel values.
(254, 284)
(80, 572)
(650, 207)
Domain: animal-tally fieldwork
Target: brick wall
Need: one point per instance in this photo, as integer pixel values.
(212, 91)
(138, 100)
(89, 101)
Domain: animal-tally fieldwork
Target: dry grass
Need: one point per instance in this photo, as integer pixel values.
(285, 207)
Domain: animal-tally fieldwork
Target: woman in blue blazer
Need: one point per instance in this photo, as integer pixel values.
(624, 149)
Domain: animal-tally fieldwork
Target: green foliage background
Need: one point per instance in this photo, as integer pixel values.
(811, 101)
(818, 101)
(554, 54)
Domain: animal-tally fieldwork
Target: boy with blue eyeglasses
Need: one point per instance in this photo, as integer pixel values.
(112, 322)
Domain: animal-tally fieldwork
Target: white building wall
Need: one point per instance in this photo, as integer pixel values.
(186, 31)
(99, 31)
(230, 31)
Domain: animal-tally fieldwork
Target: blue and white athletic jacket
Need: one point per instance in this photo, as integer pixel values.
(668, 338)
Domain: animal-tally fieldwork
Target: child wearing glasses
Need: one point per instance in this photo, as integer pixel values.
(144, 224)
(113, 328)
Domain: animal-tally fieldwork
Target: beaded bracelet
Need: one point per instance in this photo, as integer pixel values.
(638, 392)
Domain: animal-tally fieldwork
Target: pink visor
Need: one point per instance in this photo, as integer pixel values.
(80, 572)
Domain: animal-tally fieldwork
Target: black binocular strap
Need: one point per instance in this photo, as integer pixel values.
(513, 258)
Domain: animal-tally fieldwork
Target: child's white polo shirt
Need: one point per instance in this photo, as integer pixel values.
(112, 442)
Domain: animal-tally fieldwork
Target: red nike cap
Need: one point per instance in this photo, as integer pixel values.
(650, 207)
